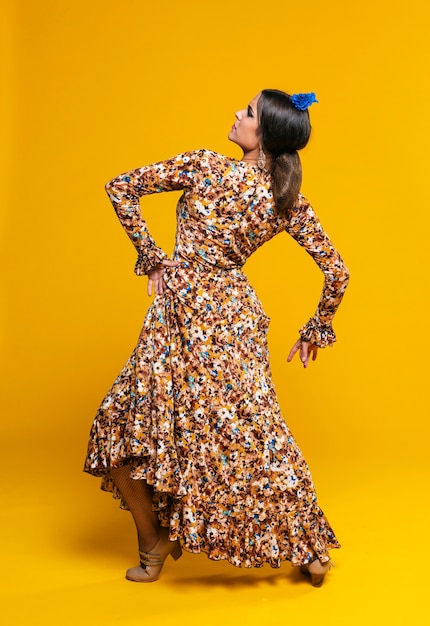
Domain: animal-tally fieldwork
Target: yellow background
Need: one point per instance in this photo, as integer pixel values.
(95, 88)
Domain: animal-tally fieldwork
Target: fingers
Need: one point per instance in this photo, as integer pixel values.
(160, 286)
(293, 350)
(156, 284)
(301, 347)
(306, 351)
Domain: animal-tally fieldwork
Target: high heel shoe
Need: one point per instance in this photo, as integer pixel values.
(151, 563)
(317, 571)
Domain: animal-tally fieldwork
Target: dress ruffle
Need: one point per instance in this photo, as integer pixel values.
(248, 531)
(147, 259)
(321, 336)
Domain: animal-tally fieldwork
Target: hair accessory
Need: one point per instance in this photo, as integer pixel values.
(302, 101)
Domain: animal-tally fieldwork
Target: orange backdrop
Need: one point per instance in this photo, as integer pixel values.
(96, 88)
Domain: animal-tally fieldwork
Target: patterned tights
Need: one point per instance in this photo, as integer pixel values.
(138, 496)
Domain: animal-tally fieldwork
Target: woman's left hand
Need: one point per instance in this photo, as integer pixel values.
(306, 351)
(156, 276)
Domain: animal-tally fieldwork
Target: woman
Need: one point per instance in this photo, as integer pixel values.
(190, 436)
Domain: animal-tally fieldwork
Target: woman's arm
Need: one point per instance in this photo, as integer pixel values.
(124, 192)
(306, 229)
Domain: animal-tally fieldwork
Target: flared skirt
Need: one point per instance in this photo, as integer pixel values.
(194, 413)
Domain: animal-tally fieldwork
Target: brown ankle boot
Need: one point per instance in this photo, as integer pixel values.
(151, 563)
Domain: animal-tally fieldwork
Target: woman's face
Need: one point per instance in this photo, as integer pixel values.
(244, 131)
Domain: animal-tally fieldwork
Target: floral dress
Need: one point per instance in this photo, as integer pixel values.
(194, 411)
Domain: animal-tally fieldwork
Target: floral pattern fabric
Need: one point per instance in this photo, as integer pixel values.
(194, 411)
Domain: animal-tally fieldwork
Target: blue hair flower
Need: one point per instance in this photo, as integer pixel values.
(302, 101)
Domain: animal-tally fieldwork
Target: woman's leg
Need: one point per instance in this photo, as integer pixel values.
(138, 496)
(154, 544)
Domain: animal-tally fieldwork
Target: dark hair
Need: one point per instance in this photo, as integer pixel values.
(283, 130)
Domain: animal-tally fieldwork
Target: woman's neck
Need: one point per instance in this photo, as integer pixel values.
(253, 157)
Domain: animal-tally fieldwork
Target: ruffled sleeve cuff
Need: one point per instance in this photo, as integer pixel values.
(321, 336)
(147, 259)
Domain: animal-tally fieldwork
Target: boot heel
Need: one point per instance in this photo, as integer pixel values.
(176, 553)
(317, 580)
(316, 571)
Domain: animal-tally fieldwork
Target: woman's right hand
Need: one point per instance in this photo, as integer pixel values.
(156, 283)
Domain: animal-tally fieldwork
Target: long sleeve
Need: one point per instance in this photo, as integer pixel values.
(306, 229)
(124, 191)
